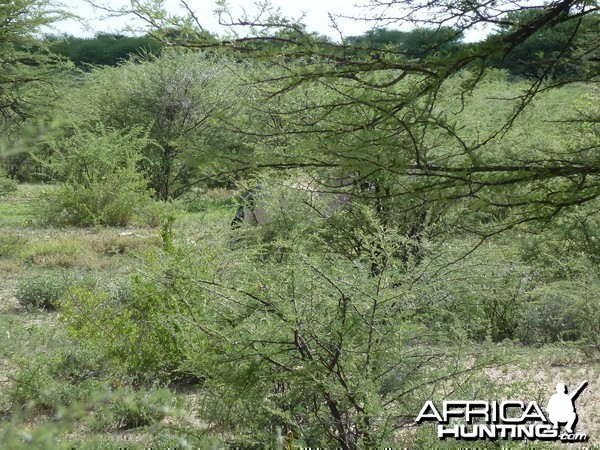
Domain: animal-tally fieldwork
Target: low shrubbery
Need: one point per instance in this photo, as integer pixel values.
(111, 202)
(128, 408)
(129, 321)
(7, 185)
(100, 180)
(41, 291)
(80, 387)
(57, 253)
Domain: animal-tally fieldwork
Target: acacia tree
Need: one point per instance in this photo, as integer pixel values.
(385, 106)
(533, 56)
(27, 78)
(332, 350)
(25, 67)
(179, 97)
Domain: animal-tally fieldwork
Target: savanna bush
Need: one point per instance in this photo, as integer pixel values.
(41, 291)
(7, 185)
(59, 375)
(286, 337)
(153, 213)
(563, 311)
(131, 323)
(101, 183)
(298, 343)
(482, 293)
(110, 202)
(179, 98)
(550, 317)
(129, 408)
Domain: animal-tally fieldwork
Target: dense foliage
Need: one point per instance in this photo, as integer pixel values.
(104, 49)
(101, 184)
(25, 71)
(468, 219)
(179, 98)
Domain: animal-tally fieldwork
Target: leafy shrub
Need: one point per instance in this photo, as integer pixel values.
(486, 304)
(42, 291)
(548, 319)
(153, 213)
(134, 330)
(58, 376)
(129, 408)
(204, 200)
(101, 182)
(587, 315)
(7, 185)
(112, 202)
(564, 311)
(122, 293)
(175, 97)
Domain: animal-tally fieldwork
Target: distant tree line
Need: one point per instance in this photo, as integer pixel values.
(104, 49)
(525, 60)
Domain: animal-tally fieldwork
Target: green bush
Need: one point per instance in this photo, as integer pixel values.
(122, 293)
(179, 98)
(153, 213)
(587, 315)
(101, 183)
(129, 408)
(134, 331)
(487, 303)
(60, 376)
(42, 291)
(548, 319)
(7, 185)
(563, 311)
(111, 202)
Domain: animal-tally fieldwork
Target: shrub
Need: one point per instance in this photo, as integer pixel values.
(587, 315)
(42, 291)
(206, 200)
(129, 408)
(112, 202)
(177, 98)
(7, 185)
(548, 319)
(153, 213)
(101, 182)
(122, 293)
(128, 322)
(564, 311)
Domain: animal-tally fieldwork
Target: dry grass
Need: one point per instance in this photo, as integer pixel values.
(63, 252)
(11, 243)
(73, 248)
(110, 244)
